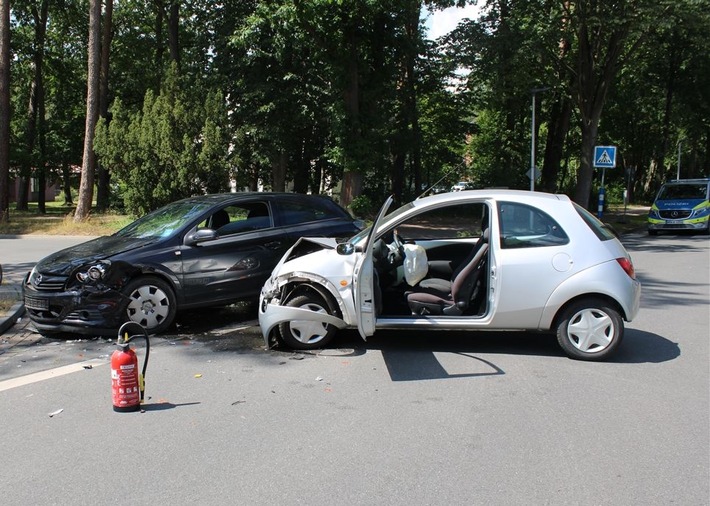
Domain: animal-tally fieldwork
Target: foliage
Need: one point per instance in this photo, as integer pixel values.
(362, 207)
(175, 147)
(318, 96)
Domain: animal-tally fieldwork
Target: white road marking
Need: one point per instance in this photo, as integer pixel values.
(51, 373)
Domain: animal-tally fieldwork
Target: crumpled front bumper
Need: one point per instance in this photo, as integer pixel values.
(89, 311)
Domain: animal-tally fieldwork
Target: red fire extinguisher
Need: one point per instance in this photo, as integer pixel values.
(127, 383)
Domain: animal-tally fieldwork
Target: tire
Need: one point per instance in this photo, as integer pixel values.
(653, 232)
(590, 329)
(305, 334)
(151, 303)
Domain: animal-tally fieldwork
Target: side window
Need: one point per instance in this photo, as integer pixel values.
(523, 226)
(294, 212)
(238, 218)
(451, 222)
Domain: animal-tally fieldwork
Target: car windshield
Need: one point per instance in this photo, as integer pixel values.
(362, 235)
(164, 221)
(683, 191)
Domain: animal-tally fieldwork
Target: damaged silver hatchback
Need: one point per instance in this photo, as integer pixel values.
(475, 260)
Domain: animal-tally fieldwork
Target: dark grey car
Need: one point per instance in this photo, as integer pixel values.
(201, 251)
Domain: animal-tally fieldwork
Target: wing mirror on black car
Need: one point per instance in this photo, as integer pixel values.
(201, 235)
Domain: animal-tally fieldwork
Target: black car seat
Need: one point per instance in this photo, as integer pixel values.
(451, 297)
(219, 219)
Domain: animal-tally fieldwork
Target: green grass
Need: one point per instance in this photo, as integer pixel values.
(59, 220)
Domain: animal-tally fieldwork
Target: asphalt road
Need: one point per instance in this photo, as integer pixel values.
(444, 418)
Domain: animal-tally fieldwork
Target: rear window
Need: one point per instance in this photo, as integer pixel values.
(524, 226)
(294, 212)
(603, 232)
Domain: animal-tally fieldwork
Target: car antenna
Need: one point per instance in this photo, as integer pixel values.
(446, 174)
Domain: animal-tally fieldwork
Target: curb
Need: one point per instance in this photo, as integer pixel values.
(11, 317)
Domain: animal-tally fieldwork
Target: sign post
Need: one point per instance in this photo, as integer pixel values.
(604, 157)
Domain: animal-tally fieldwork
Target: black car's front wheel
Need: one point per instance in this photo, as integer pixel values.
(307, 334)
(151, 303)
(590, 329)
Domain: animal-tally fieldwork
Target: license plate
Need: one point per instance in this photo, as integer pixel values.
(36, 303)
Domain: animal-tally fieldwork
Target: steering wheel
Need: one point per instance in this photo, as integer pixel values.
(395, 256)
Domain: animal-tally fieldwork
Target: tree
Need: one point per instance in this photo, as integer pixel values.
(88, 166)
(35, 125)
(103, 191)
(607, 34)
(4, 111)
(176, 146)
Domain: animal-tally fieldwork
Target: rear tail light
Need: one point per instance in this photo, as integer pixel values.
(628, 266)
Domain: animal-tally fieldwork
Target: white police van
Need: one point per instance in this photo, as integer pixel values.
(683, 204)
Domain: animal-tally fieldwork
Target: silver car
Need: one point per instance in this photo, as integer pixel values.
(475, 260)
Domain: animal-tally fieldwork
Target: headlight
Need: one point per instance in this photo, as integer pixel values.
(93, 273)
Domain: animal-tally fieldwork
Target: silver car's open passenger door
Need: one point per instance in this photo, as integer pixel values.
(364, 281)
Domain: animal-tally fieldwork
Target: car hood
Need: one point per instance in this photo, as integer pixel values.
(64, 262)
(314, 255)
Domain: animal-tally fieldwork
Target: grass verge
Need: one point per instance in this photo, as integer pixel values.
(59, 220)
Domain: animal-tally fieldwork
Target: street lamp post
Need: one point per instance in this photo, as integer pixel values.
(534, 91)
(680, 142)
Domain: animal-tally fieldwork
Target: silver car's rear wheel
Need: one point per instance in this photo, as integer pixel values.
(151, 303)
(590, 330)
(307, 334)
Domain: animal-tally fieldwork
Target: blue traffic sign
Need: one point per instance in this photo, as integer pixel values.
(605, 157)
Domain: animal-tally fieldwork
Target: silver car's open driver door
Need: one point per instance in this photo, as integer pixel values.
(364, 281)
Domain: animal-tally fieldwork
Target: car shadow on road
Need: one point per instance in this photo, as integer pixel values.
(418, 356)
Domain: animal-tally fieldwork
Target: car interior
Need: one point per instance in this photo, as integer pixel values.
(456, 244)
(240, 218)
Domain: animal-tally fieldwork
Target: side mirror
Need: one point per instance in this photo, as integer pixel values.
(345, 248)
(201, 235)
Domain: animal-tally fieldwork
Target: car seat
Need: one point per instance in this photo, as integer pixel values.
(451, 297)
(219, 219)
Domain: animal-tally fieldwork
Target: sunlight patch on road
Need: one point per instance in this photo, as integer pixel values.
(51, 373)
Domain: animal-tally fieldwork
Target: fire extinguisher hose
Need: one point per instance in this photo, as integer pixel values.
(124, 339)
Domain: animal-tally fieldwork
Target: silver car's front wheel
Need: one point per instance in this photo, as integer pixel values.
(590, 330)
(307, 334)
(151, 303)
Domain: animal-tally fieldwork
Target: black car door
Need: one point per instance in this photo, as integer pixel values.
(234, 265)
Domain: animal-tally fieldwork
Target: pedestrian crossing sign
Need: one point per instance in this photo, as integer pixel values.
(605, 157)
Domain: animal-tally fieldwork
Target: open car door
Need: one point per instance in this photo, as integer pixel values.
(364, 280)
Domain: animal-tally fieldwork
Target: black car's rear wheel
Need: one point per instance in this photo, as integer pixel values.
(308, 334)
(151, 303)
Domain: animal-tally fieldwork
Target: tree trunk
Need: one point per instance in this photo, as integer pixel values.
(159, 20)
(279, 171)
(66, 184)
(554, 147)
(36, 104)
(4, 111)
(86, 187)
(103, 188)
(173, 32)
(23, 190)
(352, 177)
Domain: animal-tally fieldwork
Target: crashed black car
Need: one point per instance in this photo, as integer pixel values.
(201, 251)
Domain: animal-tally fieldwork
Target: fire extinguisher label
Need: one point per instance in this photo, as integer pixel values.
(128, 367)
